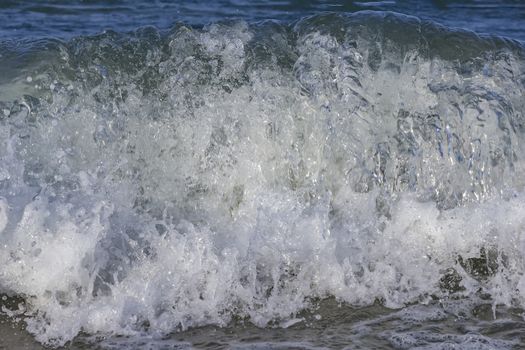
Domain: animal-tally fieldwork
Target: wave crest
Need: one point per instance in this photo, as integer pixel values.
(158, 181)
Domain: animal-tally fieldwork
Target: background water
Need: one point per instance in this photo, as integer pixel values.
(188, 174)
(65, 19)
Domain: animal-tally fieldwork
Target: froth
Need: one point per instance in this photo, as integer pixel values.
(246, 171)
(3, 214)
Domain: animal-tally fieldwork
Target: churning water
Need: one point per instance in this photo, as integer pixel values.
(340, 180)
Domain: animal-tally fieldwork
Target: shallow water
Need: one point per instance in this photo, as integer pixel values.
(329, 325)
(338, 180)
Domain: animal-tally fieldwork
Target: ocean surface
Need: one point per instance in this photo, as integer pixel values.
(262, 174)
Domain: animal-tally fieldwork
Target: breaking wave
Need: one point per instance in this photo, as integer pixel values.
(155, 181)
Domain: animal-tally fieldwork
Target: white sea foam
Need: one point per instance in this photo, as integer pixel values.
(248, 171)
(4, 208)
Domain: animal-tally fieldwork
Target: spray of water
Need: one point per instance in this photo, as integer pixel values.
(152, 182)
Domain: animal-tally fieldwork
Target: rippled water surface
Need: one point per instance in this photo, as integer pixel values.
(189, 175)
(66, 19)
(332, 325)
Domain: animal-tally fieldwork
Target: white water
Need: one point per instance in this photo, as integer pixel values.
(245, 171)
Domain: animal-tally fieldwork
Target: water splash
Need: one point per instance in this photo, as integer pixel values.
(160, 181)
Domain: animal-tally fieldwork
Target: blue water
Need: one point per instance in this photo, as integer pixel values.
(66, 19)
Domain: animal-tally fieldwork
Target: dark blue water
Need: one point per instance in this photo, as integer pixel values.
(65, 19)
